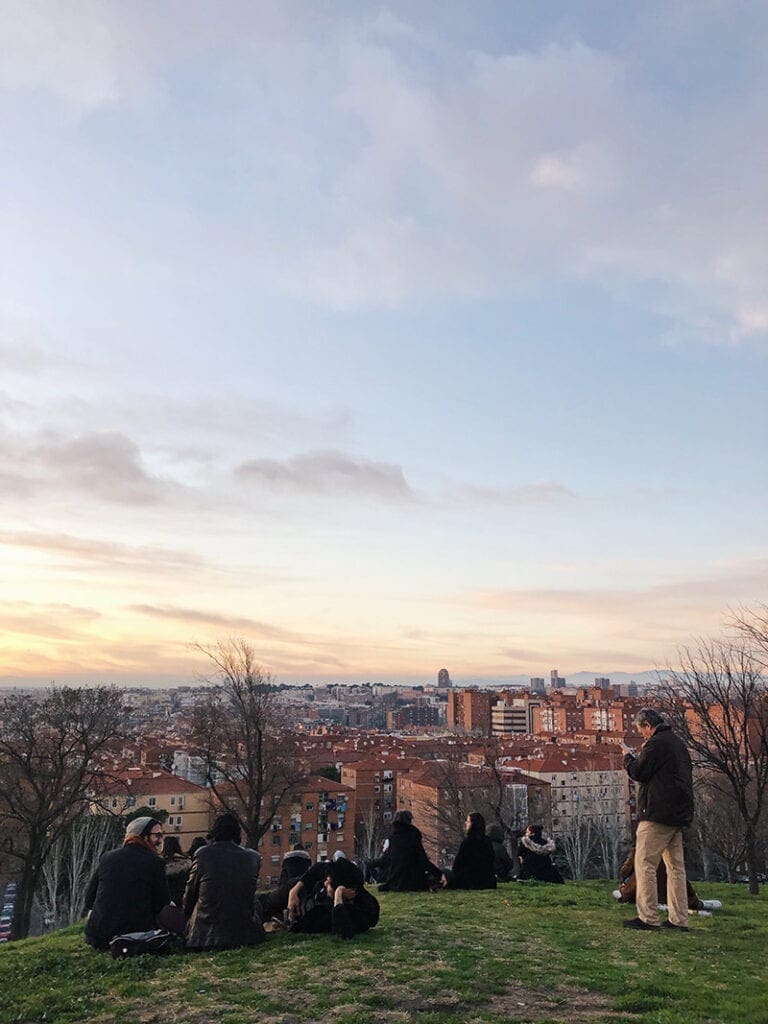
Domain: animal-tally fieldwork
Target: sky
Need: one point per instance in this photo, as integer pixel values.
(387, 336)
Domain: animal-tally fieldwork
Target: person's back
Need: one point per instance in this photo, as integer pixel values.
(503, 865)
(128, 889)
(295, 863)
(220, 898)
(535, 852)
(405, 866)
(473, 865)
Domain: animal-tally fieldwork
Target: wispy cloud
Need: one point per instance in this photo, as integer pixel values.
(102, 552)
(329, 473)
(546, 492)
(55, 622)
(231, 624)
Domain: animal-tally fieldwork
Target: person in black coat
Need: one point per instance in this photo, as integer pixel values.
(220, 897)
(129, 888)
(503, 865)
(349, 908)
(295, 864)
(535, 853)
(664, 808)
(405, 866)
(473, 865)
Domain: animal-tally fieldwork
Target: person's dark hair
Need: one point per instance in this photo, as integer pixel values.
(225, 828)
(296, 846)
(648, 716)
(476, 824)
(345, 872)
(402, 818)
(537, 833)
(171, 848)
(195, 845)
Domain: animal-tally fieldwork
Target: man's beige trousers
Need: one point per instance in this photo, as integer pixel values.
(654, 841)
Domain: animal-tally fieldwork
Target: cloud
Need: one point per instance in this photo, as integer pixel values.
(82, 51)
(106, 465)
(543, 493)
(52, 622)
(108, 553)
(329, 473)
(232, 624)
(661, 609)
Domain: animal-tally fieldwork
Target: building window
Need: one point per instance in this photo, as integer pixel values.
(173, 801)
(339, 837)
(276, 839)
(310, 807)
(130, 801)
(152, 802)
(275, 858)
(308, 827)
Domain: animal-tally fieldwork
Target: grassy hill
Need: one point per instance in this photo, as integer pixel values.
(525, 953)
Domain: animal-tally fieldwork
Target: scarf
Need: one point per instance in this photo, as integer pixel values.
(547, 847)
(140, 841)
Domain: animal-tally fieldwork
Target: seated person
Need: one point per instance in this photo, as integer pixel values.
(348, 909)
(535, 854)
(295, 864)
(129, 888)
(503, 865)
(220, 898)
(195, 845)
(473, 865)
(176, 868)
(627, 887)
(405, 866)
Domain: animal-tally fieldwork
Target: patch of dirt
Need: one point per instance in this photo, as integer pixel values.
(566, 1003)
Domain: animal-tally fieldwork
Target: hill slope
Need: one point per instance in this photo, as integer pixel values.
(525, 953)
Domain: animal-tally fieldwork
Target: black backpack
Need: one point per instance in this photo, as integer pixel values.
(137, 943)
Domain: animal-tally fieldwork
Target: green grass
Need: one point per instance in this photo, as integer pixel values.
(527, 953)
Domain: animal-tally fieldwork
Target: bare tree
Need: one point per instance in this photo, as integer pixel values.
(48, 764)
(251, 760)
(610, 838)
(577, 836)
(718, 702)
(369, 833)
(717, 827)
(70, 864)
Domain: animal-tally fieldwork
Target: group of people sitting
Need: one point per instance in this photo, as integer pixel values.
(209, 896)
(482, 859)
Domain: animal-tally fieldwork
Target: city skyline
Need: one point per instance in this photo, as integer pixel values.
(386, 338)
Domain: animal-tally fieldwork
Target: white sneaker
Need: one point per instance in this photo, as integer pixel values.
(702, 913)
(616, 894)
(712, 904)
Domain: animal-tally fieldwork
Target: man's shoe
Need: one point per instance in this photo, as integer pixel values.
(639, 925)
(675, 927)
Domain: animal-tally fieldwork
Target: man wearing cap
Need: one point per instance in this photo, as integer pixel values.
(664, 808)
(405, 865)
(129, 888)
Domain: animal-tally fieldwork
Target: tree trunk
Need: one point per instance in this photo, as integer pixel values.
(22, 916)
(751, 850)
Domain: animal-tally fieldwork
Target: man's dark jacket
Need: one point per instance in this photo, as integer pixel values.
(219, 899)
(406, 866)
(125, 894)
(663, 769)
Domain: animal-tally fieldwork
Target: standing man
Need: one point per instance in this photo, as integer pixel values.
(664, 809)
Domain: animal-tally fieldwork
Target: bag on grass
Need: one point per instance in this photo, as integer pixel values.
(136, 943)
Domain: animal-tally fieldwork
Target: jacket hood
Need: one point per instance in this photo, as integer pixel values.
(540, 848)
